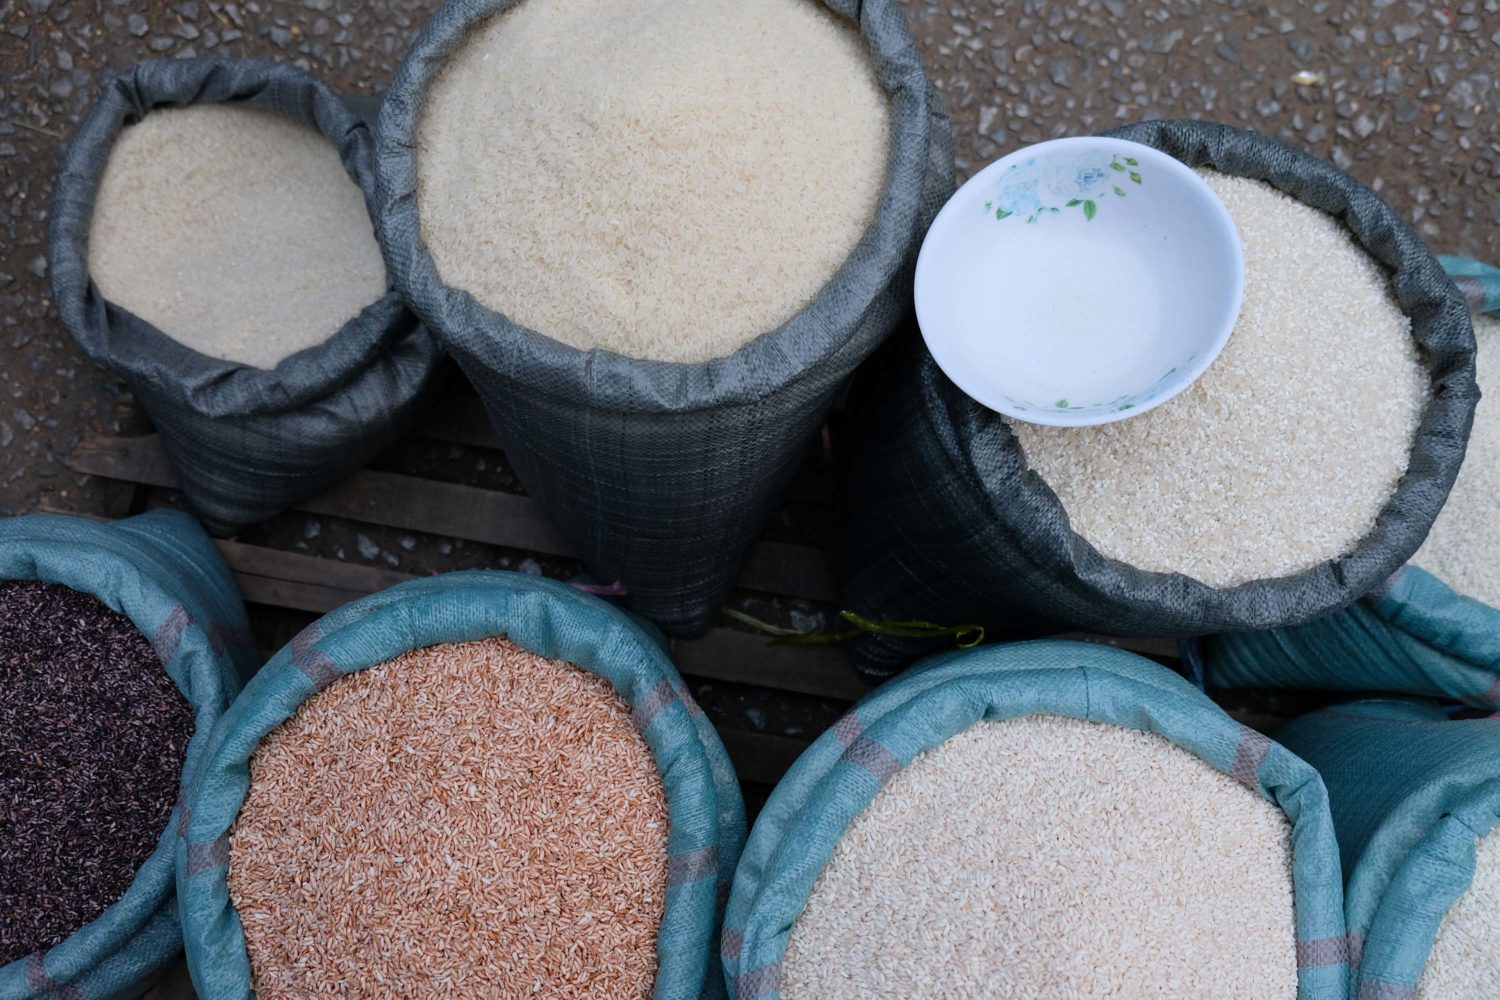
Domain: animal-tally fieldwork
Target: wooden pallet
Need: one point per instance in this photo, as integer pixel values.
(275, 580)
(285, 588)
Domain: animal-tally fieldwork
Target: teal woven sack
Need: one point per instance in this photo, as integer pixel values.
(1411, 792)
(1415, 636)
(161, 571)
(547, 618)
(839, 775)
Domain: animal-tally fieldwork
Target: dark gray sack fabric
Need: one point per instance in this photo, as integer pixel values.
(246, 443)
(948, 524)
(660, 475)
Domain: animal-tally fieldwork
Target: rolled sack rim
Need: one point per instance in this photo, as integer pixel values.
(139, 351)
(775, 359)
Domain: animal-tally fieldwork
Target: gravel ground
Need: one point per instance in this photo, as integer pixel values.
(1402, 94)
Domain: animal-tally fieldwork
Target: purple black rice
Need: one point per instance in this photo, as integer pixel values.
(93, 735)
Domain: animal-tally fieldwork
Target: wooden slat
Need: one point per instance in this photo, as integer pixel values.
(138, 459)
(727, 655)
(457, 511)
(354, 578)
(437, 508)
(384, 498)
(308, 583)
(311, 597)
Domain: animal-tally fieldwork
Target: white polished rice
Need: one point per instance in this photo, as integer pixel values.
(1050, 857)
(1465, 959)
(1463, 549)
(1282, 454)
(666, 180)
(234, 231)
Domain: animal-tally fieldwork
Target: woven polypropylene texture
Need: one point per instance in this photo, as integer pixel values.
(163, 573)
(246, 443)
(838, 776)
(550, 619)
(1411, 791)
(1416, 635)
(660, 475)
(948, 524)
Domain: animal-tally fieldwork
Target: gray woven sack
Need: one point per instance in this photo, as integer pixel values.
(948, 524)
(246, 443)
(660, 475)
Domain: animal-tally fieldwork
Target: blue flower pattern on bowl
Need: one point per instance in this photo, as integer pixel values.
(1029, 193)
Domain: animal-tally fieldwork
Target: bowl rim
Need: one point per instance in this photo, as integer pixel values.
(1217, 216)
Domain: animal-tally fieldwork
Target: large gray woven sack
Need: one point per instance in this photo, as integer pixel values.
(246, 443)
(948, 524)
(658, 474)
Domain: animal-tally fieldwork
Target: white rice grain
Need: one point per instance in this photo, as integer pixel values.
(1463, 549)
(234, 231)
(1282, 454)
(666, 180)
(1050, 857)
(1465, 959)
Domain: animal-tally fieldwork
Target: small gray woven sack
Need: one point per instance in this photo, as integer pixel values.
(246, 443)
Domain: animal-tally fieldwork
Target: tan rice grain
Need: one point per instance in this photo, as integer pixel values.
(1283, 453)
(1463, 549)
(467, 820)
(666, 180)
(1049, 857)
(1465, 959)
(234, 231)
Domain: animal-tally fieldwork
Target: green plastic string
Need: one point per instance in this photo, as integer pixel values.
(964, 636)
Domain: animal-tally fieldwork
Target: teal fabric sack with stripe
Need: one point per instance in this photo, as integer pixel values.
(1415, 634)
(547, 618)
(841, 773)
(1478, 282)
(1411, 791)
(161, 571)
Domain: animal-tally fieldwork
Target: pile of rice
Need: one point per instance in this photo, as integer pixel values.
(1465, 959)
(662, 179)
(234, 231)
(1463, 549)
(467, 820)
(93, 737)
(1050, 857)
(1282, 454)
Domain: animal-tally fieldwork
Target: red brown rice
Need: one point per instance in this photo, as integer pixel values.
(467, 820)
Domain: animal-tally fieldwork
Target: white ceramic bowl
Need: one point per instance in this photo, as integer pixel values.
(1079, 281)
